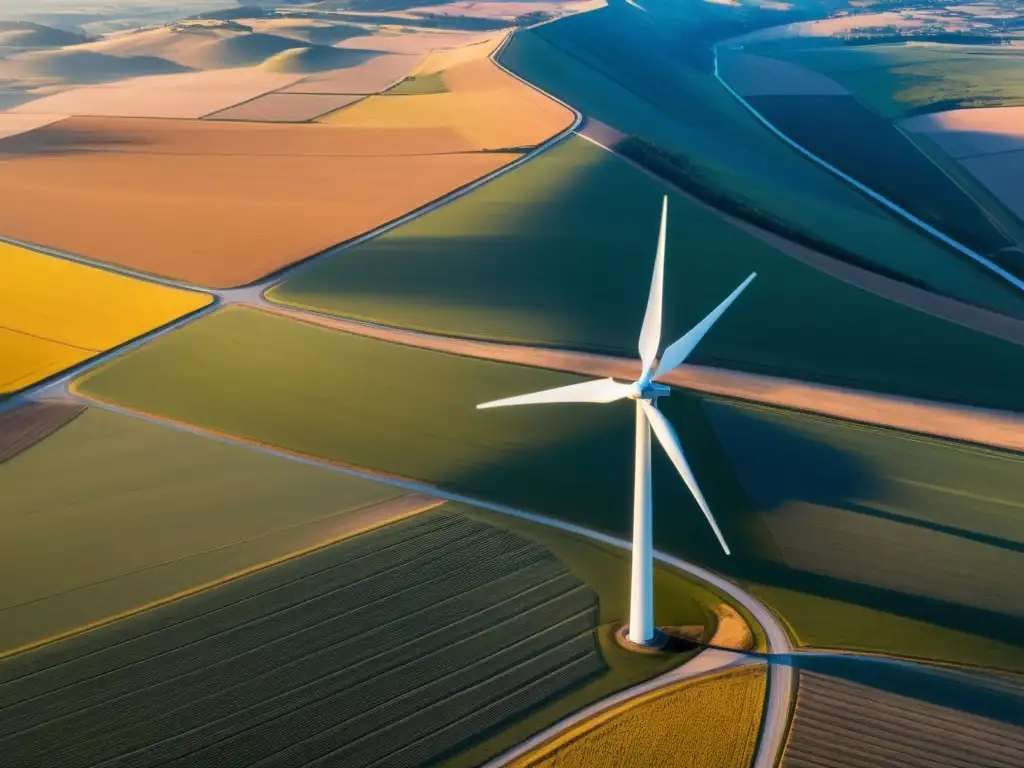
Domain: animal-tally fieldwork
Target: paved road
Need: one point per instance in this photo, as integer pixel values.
(781, 677)
(976, 318)
(863, 188)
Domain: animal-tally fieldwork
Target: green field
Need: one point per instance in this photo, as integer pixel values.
(442, 639)
(110, 513)
(928, 530)
(899, 80)
(627, 69)
(843, 132)
(305, 388)
(558, 253)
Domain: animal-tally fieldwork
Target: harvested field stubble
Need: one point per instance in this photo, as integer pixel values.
(422, 634)
(187, 95)
(862, 718)
(712, 722)
(231, 201)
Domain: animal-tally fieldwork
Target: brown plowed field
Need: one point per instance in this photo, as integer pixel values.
(23, 427)
(839, 722)
(220, 203)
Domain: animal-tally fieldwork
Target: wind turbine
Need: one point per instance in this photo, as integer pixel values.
(645, 391)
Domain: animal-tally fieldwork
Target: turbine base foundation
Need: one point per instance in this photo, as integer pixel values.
(663, 642)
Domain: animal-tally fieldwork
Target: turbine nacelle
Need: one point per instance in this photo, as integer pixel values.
(645, 389)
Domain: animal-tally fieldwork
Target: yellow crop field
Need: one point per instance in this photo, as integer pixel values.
(56, 313)
(711, 722)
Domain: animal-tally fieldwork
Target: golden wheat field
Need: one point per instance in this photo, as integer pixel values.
(710, 722)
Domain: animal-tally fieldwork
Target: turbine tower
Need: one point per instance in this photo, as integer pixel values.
(645, 391)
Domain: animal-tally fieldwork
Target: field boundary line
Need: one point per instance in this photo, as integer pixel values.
(780, 676)
(580, 724)
(227, 578)
(909, 416)
(863, 188)
(974, 317)
(264, 284)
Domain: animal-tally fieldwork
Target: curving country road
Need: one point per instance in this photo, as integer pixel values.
(781, 677)
(903, 213)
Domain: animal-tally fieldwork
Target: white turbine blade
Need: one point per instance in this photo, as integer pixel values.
(670, 442)
(681, 349)
(650, 332)
(597, 391)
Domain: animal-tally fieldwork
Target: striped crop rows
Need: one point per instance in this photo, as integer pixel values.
(393, 648)
(940, 719)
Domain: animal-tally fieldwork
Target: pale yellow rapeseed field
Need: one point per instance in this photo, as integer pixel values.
(710, 722)
(55, 313)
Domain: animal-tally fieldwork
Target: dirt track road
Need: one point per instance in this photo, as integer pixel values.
(995, 428)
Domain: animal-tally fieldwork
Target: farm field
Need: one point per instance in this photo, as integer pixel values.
(600, 63)
(489, 108)
(930, 529)
(712, 722)
(899, 80)
(232, 201)
(443, 625)
(525, 259)
(843, 132)
(143, 512)
(183, 96)
(56, 313)
(578, 460)
(286, 107)
(24, 426)
(859, 716)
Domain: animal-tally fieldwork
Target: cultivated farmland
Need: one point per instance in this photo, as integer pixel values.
(285, 107)
(231, 201)
(400, 646)
(712, 722)
(26, 425)
(989, 143)
(142, 512)
(843, 132)
(55, 313)
(185, 95)
(481, 103)
(900, 80)
(929, 529)
(540, 256)
(858, 715)
(601, 63)
(414, 417)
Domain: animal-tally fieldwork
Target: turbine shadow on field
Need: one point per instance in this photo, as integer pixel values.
(997, 697)
(848, 530)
